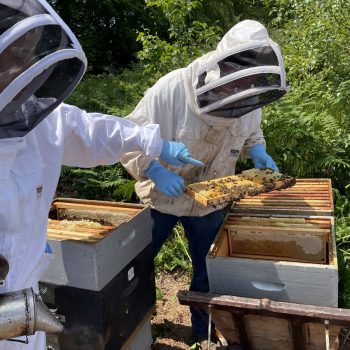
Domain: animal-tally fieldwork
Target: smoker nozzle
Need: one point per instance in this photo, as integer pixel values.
(24, 313)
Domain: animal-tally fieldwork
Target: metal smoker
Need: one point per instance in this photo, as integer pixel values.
(23, 312)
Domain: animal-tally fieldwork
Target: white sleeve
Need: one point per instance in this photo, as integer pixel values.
(92, 139)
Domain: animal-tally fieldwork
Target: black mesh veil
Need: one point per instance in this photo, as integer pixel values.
(241, 81)
(40, 65)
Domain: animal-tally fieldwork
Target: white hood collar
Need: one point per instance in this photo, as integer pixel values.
(244, 35)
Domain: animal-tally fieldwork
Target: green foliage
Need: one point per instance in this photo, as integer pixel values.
(343, 252)
(188, 38)
(112, 94)
(107, 29)
(308, 130)
(104, 183)
(174, 256)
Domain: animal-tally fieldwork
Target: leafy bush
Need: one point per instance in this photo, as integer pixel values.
(174, 255)
(104, 183)
(188, 39)
(308, 130)
(107, 29)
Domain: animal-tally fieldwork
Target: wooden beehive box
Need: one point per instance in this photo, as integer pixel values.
(101, 280)
(279, 245)
(275, 270)
(96, 236)
(306, 197)
(277, 250)
(232, 188)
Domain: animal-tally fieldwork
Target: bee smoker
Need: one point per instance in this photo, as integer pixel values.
(23, 312)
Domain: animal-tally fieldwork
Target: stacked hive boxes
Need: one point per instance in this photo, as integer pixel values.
(280, 246)
(101, 279)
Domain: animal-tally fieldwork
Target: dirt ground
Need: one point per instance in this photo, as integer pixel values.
(171, 325)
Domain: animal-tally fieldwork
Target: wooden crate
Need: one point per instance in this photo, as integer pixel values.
(277, 277)
(261, 324)
(232, 188)
(288, 239)
(306, 197)
(125, 230)
(101, 280)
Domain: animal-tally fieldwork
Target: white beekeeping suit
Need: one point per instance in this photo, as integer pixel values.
(213, 107)
(41, 62)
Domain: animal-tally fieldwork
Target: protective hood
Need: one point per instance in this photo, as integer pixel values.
(244, 73)
(41, 62)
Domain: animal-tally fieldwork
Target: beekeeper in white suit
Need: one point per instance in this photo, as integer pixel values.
(41, 62)
(214, 107)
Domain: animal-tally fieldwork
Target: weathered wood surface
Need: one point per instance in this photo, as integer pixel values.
(289, 239)
(76, 230)
(306, 197)
(232, 188)
(262, 324)
(85, 205)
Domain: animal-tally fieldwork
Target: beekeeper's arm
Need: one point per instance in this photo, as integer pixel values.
(93, 139)
(157, 106)
(255, 146)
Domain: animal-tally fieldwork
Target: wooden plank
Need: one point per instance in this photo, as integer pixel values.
(289, 201)
(297, 330)
(226, 324)
(269, 333)
(296, 195)
(286, 229)
(283, 205)
(311, 313)
(280, 222)
(85, 206)
(272, 325)
(314, 334)
(68, 233)
(100, 203)
(73, 237)
(78, 226)
(278, 243)
(241, 326)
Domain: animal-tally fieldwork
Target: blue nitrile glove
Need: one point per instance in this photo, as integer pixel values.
(176, 153)
(261, 159)
(166, 181)
(48, 249)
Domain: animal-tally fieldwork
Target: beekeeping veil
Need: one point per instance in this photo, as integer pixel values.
(244, 73)
(41, 62)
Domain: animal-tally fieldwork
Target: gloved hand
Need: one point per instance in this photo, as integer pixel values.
(176, 153)
(166, 181)
(261, 159)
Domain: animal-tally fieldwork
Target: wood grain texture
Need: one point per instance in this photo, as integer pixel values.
(289, 239)
(306, 197)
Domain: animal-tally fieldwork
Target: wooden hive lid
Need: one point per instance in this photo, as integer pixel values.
(306, 197)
